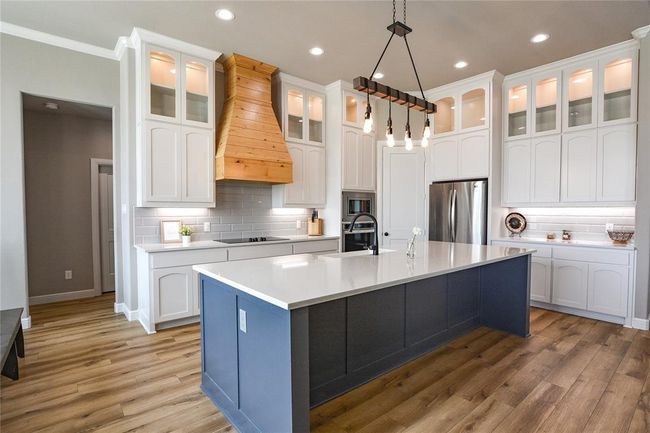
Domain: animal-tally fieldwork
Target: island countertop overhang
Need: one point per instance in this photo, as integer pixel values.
(298, 281)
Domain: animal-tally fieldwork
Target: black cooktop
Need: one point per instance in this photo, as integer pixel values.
(252, 240)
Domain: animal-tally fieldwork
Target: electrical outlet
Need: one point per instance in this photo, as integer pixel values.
(68, 275)
(609, 226)
(298, 224)
(242, 320)
(206, 227)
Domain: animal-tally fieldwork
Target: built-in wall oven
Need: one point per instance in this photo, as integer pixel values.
(362, 237)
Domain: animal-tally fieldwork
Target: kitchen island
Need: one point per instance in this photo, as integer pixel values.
(284, 334)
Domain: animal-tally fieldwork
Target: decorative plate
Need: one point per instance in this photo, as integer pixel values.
(516, 223)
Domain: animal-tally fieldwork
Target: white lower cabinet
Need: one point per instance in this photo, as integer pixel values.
(462, 156)
(570, 281)
(540, 279)
(173, 293)
(608, 287)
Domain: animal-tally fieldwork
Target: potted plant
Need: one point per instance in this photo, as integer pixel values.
(186, 234)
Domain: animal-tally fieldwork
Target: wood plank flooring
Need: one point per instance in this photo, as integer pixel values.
(88, 369)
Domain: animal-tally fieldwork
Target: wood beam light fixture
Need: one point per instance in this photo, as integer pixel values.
(372, 87)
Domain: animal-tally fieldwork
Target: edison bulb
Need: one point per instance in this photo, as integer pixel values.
(367, 124)
(425, 141)
(408, 143)
(390, 139)
(427, 132)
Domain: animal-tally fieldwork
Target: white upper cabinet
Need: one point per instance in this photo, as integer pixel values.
(444, 159)
(474, 155)
(461, 109)
(175, 145)
(308, 187)
(162, 85)
(579, 158)
(516, 174)
(517, 104)
(546, 117)
(580, 102)
(444, 119)
(473, 108)
(303, 115)
(617, 88)
(616, 172)
(358, 160)
(545, 154)
(354, 109)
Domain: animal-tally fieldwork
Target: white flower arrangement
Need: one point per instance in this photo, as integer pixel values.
(410, 248)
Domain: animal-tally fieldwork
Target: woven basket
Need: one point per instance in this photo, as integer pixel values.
(620, 236)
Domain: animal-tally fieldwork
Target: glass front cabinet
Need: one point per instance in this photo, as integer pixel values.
(517, 107)
(178, 88)
(546, 90)
(580, 102)
(304, 112)
(617, 88)
(462, 110)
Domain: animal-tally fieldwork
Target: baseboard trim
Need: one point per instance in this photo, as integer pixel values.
(643, 324)
(144, 321)
(121, 307)
(578, 312)
(59, 297)
(26, 322)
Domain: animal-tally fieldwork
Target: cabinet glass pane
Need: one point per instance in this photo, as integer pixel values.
(443, 118)
(473, 113)
(580, 97)
(351, 109)
(295, 108)
(196, 91)
(517, 110)
(545, 104)
(618, 90)
(162, 79)
(316, 119)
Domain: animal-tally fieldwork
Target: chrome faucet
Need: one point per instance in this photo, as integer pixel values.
(375, 247)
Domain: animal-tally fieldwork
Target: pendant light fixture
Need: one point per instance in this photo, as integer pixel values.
(371, 87)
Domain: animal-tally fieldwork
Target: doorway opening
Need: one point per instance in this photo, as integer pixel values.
(68, 152)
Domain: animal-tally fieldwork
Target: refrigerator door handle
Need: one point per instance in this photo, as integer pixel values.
(450, 216)
(452, 219)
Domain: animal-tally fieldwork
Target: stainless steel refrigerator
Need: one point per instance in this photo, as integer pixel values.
(458, 211)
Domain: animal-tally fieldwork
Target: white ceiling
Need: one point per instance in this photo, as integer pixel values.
(487, 34)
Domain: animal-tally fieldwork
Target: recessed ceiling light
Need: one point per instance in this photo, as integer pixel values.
(316, 51)
(460, 65)
(378, 76)
(540, 37)
(51, 105)
(224, 14)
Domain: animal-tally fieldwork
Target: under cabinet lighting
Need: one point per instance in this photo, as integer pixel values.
(224, 14)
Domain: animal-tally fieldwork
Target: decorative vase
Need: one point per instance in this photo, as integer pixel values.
(186, 240)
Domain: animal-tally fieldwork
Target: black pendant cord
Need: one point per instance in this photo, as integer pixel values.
(414, 68)
(381, 56)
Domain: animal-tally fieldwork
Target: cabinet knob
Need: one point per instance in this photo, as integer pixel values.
(385, 233)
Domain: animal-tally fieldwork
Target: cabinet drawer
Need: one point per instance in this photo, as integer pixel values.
(188, 258)
(591, 255)
(316, 246)
(542, 250)
(258, 251)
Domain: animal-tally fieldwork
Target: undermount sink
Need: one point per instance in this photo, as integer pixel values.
(359, 253)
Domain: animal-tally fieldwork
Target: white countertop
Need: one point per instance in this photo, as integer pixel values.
(571, 243)
(301, 280)
(201, 245)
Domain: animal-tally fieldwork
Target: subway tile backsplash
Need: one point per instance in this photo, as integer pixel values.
(584, 223)
(243, 210)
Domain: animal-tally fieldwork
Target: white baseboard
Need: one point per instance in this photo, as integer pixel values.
(26, 322)
(149, 327)
(130, 315)
(64, 296)
(643, 324)
(578, 312)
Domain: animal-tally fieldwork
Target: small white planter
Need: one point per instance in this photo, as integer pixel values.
(186, 240)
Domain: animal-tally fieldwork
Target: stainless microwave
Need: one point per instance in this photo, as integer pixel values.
(356, 203)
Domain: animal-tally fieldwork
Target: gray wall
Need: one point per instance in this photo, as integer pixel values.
(642, 235)
(58, 148)
(43, 70)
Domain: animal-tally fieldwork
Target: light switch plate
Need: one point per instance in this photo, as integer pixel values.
(242, 320)
(68, 275)
(206, 227)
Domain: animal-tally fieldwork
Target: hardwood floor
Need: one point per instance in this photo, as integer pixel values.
(88, 369)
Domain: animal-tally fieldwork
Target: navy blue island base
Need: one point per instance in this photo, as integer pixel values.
(266, 371)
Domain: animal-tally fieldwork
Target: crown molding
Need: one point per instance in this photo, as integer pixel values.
(123, 43)
(138, 36)
(641, 32)
(57, 41)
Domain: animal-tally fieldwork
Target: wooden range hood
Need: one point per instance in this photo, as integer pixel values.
(250, 144)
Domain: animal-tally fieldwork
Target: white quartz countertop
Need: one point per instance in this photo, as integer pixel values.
(301, 280)
(571, 243)
(201, 245)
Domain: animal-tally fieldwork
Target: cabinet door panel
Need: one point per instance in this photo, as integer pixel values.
(570, 281)
(198, 165)
(617, 94)
(162, 161)
(617, 163)
(366, 163)
(516, 171)
(540, 280)
(608, 285)
(295, 191)
(444, 159)
(579, 96)
(579, 155)
(315, 176)
(197, 78)
(173, 293)
(161, 87)
(545, 174)
(474, 155)
(350, 156)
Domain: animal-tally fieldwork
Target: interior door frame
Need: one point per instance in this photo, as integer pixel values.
(95, 163)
